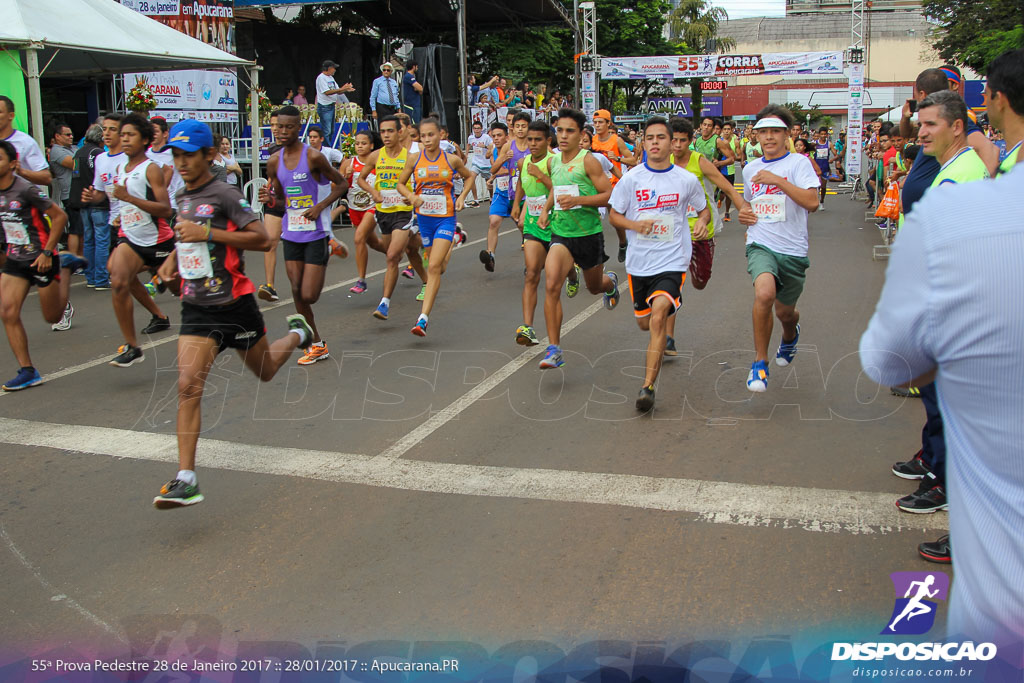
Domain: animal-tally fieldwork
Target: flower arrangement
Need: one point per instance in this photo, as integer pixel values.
(265, 105)
(141, 98)
(350, 113)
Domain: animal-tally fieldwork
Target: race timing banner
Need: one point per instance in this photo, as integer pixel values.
(709, 66)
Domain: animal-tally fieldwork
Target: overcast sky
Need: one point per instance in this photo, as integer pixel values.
(739, 9)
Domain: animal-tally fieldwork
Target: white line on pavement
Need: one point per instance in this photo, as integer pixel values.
(810, 509)
(64, 372)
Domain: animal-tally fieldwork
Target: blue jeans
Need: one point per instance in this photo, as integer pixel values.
(933, 436)
(326, 114)
(96, 245)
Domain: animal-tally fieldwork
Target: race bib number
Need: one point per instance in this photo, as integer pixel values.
(770, 208)
(299, 223)
(391, 199)
(663, 231)
(563, 190)
(535, 205)
(434, 203)
(194, 260)
(822, 153)
(131, 217)
(501, 182)
(16, 233)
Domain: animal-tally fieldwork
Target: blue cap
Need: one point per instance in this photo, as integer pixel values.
(190, 135)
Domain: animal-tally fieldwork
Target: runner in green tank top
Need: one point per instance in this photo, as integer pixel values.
(1005, 108)
(535, 186)
(579, 187)
(716, 151)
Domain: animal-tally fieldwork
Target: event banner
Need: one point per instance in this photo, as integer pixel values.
(486, 116)
(588, 93)
(211, 21)
(210, 96)
(682, 106)
(855, 120)
(707, 66)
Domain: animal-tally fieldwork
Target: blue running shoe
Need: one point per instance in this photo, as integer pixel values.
(26, 377)
(420, 328)
(69, 260)
(611, 299)
(787, 349)
(552, 358)
(382, 311)
(757, 380)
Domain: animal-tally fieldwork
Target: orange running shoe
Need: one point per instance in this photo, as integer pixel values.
(317, 352)
(338, 248)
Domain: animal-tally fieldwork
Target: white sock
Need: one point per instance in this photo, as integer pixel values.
(187, 476)
(386, 300)
(423, 317)
(303, 337)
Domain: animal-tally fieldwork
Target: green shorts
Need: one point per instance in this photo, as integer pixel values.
(789, 271)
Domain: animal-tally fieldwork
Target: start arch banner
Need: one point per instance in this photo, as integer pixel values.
(709, 66)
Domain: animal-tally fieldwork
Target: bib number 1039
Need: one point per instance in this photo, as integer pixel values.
(770, 208)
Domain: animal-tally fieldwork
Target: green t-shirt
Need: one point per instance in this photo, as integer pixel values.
(536, 194)
(579, 221)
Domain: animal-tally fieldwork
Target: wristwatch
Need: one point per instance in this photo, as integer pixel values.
(49, 253)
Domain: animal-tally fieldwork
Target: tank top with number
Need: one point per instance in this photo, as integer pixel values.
(358, 198)
(388, 170)
(301, 192)
(434, 182)
(512, 166)
(536, 196)
(137, 225)
(571, 178)
(693, 166)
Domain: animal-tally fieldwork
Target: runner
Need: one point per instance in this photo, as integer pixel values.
(1004, 97)
(103, 181)
(306, 184)
(822, 157)
(782, 188)
(653, 202)
(360, 204)
(702, 247)
(335, 158)
(479, 149)
(839, 149)
(718, 152)
(580, 186)
(507, 160)
(32, 164)
(728, 135)
(273, 215)
(32, 227)
(146, 238)
(606, 141)
(394, 216)
(499, 136)
(218, 311)
(434, 199)
(534, 187)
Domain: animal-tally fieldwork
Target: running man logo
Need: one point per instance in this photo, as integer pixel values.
(915, 608)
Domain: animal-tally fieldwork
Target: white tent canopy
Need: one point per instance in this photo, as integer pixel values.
(82, 37)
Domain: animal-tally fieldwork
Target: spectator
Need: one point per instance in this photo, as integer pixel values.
(490, 90)
(289, 97)
(95, 217)
(300, 98)
(539, 99)
(327, 95)
(227, 160)
(412, 91)
(62, 162)
(472, 90)
(526, 93)
(384, 93)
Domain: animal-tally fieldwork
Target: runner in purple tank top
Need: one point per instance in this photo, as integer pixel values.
(306, 184)
(501, 205)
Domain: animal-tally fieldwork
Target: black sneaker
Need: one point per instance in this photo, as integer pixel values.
(910, 392)
(911, 469)
(157, 324)
(127, 355)
(176, 494)
(670, 347)
(937, 551)
(931, 500)
(622, 253)
(487, 258)
(645, 401)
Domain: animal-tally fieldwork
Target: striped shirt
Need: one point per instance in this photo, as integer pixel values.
(954, 300)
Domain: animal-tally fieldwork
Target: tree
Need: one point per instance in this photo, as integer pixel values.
(973, 33)
(695, 24)
(539, 55)
(800, 114)
(632, 28)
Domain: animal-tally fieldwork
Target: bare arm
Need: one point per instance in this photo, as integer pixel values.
(727, 152)
(160, 206)
(716, 177)
(986, 149)
(403, 180)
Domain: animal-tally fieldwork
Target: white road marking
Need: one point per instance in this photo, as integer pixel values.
(442, 417)
(57, 596)
(103, 360)
(810, 509)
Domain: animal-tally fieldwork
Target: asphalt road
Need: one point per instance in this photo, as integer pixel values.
(446, 489)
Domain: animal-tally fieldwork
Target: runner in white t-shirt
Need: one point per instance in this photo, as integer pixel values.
(479, 147)
(650, 204)
(31, 163)
(782, 188)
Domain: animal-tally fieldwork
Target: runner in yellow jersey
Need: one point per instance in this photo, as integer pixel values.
(1004, 97)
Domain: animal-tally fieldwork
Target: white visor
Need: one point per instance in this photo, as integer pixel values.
(770, 122)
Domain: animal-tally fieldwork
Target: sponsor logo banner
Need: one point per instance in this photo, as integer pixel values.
(701, 66)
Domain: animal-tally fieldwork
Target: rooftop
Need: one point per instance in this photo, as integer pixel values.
(823, 26)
